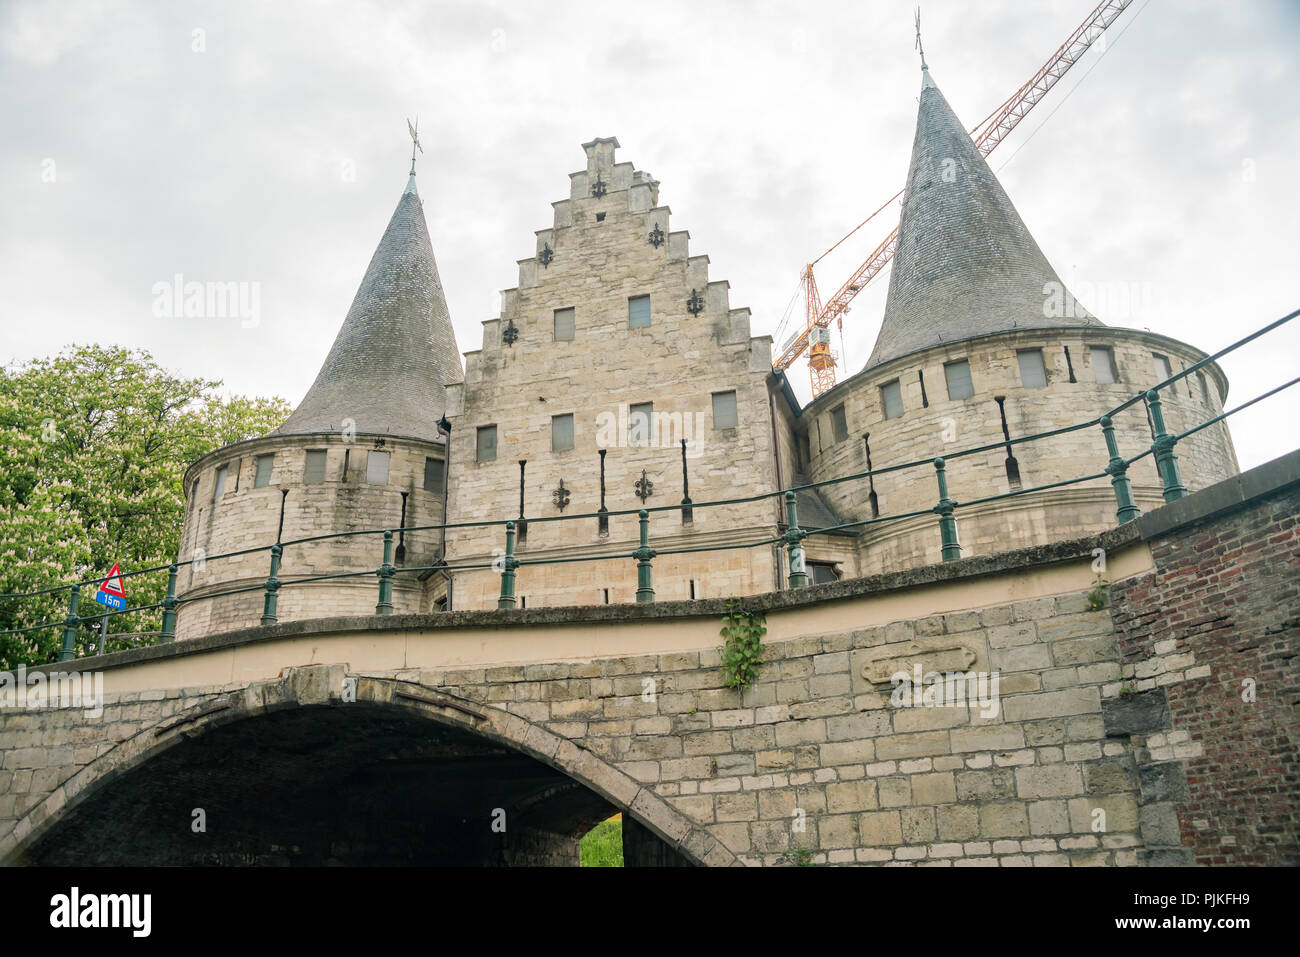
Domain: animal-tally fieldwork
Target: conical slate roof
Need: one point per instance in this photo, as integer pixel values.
(396, 350)
(966, 266)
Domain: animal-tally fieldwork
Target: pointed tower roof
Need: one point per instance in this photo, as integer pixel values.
(396, 350)
(965, 266)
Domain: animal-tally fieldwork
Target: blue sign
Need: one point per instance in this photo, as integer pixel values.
(112, 601)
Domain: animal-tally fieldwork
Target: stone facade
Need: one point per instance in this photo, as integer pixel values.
(608, 245)
(931, 424)
(1119, 736)
(613, 314)
(288, 508)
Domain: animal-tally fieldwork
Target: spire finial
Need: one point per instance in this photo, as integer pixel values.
(415, 141)
(918, 39)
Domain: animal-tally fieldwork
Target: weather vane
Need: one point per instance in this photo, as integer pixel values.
(415, 141)
(918, 38)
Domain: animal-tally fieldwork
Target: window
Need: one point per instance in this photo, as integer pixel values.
(1103, 364)
(640, 423)
(1032, 373)
(562, 432)
(314, 473)
(724, 410)
(262, 478)
(638, 312)
(891, 399)
(563, 325)
(1163, 371)
(819, 572)
(486, 448)
(839, 424)
(1205, 388)
(433, 476)
(805, 449)
(219, 483)
(377, 468)
(958, 376)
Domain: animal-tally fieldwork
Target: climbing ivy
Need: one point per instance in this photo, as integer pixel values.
(742, 651)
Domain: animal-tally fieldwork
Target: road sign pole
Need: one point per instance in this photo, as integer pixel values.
(103, 632)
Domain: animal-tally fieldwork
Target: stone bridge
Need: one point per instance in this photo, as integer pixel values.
(1158, 729)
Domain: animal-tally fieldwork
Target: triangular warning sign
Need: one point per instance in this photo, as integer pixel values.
(113, 584)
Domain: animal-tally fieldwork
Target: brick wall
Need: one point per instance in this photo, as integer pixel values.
(1218, 615)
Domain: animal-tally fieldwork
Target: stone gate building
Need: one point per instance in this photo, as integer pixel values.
(619, 377)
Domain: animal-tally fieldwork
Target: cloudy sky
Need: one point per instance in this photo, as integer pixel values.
(266, 143)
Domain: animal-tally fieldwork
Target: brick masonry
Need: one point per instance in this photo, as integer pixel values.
(1211, 637)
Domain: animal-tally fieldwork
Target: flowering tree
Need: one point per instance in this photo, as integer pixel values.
(93, 446)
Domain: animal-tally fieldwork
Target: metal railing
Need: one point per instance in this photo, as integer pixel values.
(792, 539)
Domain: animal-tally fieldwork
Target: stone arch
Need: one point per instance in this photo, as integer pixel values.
(324, 686)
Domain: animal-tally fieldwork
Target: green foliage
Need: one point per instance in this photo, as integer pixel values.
(602, 846)
(1100, 594)
(94, 444)
(799, 857)
(742, 652)
(1127, 690)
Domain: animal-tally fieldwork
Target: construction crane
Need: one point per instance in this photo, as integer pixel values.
(815, 337)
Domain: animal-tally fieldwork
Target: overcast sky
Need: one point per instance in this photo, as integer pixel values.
(266, 143)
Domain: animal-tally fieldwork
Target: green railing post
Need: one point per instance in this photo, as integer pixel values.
(70, 626)
(947, 524)
(1117, 469)
(507, 599)
(385, 606)
(794, 537)
(644, 586)
(169, 605)
(272, 586)
(1163, 447)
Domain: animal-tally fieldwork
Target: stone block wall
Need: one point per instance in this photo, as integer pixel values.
(245, 517)
(931, 423)
(600, 251)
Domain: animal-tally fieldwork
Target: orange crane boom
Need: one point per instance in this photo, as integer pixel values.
(992, 130)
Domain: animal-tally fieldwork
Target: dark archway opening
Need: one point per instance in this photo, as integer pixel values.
(350, 785)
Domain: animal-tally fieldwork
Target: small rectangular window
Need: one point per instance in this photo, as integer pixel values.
(562, 432)
(1103, 364)
(891, 399)
(724, 410)
(433, 475)
(640, 423)
(820, 572)
(563, 325)
(314, 473)
(1205, 387)
(1033, 375)
(805, 449)
(219, 483)
(263, 476)
(839, 424)
(377, 468)
(1163, 371)
(958, 376)
(486, 449)
(638, 312)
